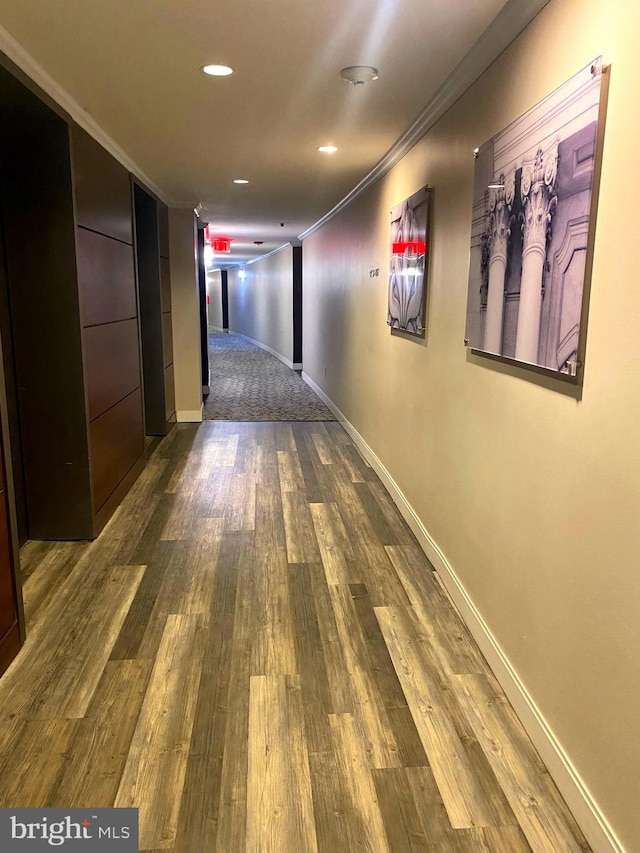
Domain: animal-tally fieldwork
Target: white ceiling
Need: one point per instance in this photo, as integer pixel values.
(134, 67)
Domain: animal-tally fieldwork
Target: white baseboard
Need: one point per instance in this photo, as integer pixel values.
(278, 355)
(189, 416)
(584, 808)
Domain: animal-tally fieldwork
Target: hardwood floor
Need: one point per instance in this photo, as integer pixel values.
(257, 655)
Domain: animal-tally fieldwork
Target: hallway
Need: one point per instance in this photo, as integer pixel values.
(249, 384)
(256, 653)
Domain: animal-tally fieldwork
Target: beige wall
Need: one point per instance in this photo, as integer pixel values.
(531, 497)
(185, 315)
(214, 292)
(261, 306)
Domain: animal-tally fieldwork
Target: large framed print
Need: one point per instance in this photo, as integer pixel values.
(532, 230)
(410, 232)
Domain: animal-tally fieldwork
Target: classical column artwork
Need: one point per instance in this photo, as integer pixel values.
(538, 202)
(499, 231)
(410, 222)
(530, 230)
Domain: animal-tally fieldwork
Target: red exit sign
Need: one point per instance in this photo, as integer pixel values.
(410, 247)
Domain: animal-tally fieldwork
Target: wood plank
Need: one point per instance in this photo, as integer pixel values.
(299, 529)
(290, 471)
(310, 658)
(38, 758)
(340, 685)
(230, 827)
(335, 819)
(334, 543)
(212, 733)
(154, 773)
(322, 445)
(312, 485)
(273, 645)
(400, 528)
(366, 829)
(400, 815)
(103, 738)
(379, 742)
(45, 565)
(66, 655)
(279, 803)
(461, 783)
(449, 636)
(517, 766)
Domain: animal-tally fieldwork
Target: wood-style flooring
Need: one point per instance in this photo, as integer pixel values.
(257, 655)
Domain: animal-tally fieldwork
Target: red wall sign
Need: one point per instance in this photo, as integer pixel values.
(412, 247)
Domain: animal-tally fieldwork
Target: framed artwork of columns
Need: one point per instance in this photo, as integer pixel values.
(532, 230)
(410, 234)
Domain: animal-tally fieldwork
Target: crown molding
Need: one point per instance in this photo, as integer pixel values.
(268, 254)
(505, 27)
(14, 51)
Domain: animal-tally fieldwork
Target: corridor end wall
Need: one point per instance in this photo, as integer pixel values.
(261, 306)
(525, 498)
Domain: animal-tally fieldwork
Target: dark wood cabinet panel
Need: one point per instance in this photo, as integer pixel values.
(169, 394)
(8, 610)
(165, 284)
(163, 230)
(106, 279)
(102, 188)
(154, 289)
(117, 442)
(112, 364)
(69, 313)
(167, 340)
(36, 181)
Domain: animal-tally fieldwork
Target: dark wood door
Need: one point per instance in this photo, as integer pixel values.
(10, 641)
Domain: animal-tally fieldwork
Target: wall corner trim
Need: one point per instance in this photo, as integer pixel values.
(26, 63)
(190, 416)
(268, 349)
(584, 808)
(505, 27)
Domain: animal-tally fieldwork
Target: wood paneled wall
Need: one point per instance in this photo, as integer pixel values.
(44, 319)
(11, 634)
(167, 331)
(109, 311)
(154, 289)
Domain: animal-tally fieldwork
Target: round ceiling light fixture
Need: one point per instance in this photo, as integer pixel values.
(240, 181)
(359, 74)
(327, 149)
(217, 70)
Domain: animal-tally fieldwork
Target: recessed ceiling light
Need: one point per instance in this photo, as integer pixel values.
(240, 181)
(359, 74)
(327, 149)
(217, 70)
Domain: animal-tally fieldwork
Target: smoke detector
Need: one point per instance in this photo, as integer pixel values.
(359, 74)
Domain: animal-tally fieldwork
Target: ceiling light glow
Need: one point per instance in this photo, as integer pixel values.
(217, 70)
(327, 149)
(240, 181)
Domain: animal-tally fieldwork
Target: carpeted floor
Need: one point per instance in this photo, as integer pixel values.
(249, 384)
